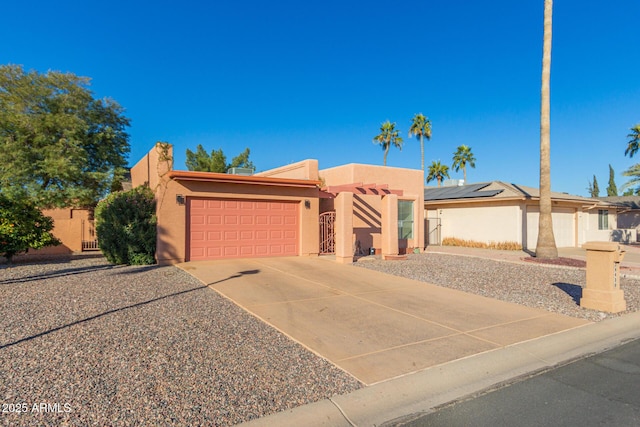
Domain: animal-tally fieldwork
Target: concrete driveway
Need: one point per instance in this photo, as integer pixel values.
(373, 325)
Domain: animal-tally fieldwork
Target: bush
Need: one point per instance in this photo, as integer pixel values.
(23, 227)
(126, 226)
(507, 246)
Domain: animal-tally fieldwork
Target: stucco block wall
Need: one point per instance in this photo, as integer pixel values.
(69, 225)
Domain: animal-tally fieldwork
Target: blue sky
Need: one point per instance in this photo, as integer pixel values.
(293, 80)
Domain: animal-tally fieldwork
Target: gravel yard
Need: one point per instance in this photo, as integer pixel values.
(552, 288)
(85, 343)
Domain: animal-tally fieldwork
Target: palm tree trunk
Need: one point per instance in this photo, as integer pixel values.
(464, 174)
(384, 158)
(546, 245)
(422, 151)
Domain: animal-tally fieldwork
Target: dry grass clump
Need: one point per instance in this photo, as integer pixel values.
(505, 246)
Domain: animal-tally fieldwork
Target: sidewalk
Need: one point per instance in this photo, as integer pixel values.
(389, 402)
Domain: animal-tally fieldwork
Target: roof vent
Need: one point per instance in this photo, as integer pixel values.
(240, 171)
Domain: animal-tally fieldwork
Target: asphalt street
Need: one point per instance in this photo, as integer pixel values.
(600, 390)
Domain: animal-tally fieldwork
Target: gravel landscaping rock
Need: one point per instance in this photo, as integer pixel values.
(549, 287)
(86, 343)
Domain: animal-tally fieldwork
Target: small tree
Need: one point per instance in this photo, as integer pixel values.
(593, 189)
(241, 161)
(60, 146)
(23, 227)
(126, 226)
(201, 161)
(612, 189)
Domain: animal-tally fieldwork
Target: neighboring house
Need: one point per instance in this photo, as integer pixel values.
(500, 212)
(205, 215)
(628, 216)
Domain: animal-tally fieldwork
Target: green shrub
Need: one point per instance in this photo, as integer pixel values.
(23, 227)
(126, 226)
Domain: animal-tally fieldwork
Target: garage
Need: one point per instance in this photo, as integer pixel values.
(564, 227)
(241, 228)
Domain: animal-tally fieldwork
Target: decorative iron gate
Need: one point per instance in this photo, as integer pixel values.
(327, 233)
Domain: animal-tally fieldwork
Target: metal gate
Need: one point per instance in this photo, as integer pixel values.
(89, 238)
(327, 233)
(433, 231)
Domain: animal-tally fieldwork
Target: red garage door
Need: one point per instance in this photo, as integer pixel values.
(227, 228)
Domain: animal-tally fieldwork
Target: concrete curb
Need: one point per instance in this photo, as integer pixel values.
(423, 391)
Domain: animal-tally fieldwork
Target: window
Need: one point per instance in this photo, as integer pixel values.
(603, 219)
(405, 219)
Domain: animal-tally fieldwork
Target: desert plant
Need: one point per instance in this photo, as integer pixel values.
(126, 226)
(505, 246)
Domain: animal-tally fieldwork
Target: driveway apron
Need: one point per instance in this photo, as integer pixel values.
(373, 325)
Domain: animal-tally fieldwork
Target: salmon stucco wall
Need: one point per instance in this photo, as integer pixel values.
(367, 207)
(153, 166)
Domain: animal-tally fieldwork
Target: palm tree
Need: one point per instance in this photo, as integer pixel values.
(634, 182)
(461, 158)
(546, 245)
(388, 136)
(420, 127)
(437, 171)
(634, 142)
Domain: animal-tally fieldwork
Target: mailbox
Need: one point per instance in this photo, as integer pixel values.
(603, 278)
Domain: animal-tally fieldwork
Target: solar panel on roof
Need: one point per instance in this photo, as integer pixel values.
(461, 192)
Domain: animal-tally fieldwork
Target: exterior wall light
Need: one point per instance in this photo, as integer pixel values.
(307, 204)
(180, 199)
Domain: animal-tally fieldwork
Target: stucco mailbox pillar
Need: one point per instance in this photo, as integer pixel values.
(603, 278)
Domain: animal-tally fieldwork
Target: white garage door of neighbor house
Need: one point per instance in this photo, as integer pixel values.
(564, 227)
(230, 228)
